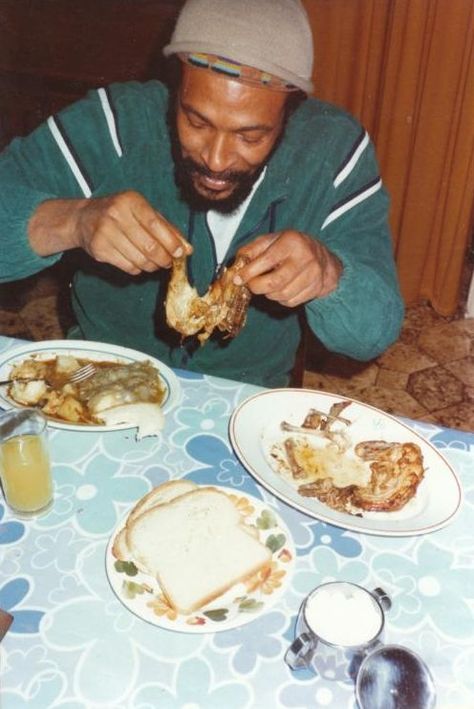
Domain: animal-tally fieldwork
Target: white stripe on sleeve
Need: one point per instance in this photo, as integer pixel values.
(68, 156)
(110, 118)
(350, 165)
(352, 202)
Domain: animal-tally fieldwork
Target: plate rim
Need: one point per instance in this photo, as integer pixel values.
(29, 348)
(328, 517)
(202, 629)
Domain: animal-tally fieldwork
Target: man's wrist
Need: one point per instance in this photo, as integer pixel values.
(55, 226)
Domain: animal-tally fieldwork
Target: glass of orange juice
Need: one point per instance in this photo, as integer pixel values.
(25, 469)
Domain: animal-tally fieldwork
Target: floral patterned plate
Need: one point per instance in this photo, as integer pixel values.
(142, 595)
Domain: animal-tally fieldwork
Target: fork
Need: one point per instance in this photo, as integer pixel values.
(79, 375)
(83, 373)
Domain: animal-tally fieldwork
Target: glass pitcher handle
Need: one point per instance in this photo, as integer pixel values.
(383, 597)
(297, 654)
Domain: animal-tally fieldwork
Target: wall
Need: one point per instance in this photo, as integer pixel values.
(53, 51)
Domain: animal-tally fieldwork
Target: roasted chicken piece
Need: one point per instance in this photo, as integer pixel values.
(371, 450)
(297, 470)
(396, 471)
(338, 498)
(224, 306)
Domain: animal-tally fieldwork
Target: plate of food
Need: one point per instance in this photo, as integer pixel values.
(128, 388)
(344, 462)
(199, 558)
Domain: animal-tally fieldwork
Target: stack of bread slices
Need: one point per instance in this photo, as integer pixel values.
(193, 540)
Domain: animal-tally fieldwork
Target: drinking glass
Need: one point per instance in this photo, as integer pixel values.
(25, 469)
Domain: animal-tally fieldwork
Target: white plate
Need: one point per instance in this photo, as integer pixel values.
(142, 595)
(97, 351)
(255, 425)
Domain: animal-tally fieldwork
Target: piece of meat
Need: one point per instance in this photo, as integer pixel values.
(339, 498)
(371, 450)
(396, 474)
(224, 306)
(396, 468)
(396, 471)
(297, 470)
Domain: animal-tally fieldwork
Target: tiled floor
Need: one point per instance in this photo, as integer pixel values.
(428, 374)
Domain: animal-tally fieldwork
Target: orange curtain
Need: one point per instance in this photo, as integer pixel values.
(405, 68)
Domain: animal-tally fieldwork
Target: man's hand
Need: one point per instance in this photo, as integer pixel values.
(123, 230)
(290, 267)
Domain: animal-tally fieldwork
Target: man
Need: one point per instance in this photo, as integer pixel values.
(235, 162)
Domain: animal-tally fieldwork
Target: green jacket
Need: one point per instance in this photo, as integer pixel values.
(322, 180)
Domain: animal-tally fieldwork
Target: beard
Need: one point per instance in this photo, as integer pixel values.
(187, 169)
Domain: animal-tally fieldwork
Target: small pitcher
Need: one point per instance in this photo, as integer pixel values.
(338, 625)
(25, 469)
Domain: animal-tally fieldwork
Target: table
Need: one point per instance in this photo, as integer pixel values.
(73, 644)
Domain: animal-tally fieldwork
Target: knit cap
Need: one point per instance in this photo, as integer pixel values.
(272, 36)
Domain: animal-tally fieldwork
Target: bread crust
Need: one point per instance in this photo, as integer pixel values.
(119, 548)
(205, 600)
(171, 488)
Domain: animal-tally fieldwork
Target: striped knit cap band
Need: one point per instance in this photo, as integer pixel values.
(261, 42)
(245, 74)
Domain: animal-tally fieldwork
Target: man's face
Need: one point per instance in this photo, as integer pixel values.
(225, 131)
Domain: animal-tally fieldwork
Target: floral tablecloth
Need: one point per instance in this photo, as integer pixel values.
(74, 644)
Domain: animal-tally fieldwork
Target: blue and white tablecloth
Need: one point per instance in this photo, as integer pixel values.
(73, 644)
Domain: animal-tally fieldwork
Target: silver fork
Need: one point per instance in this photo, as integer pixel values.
(79, 375)
(82, 373)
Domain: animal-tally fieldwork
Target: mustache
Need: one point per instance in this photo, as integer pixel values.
(227, 175)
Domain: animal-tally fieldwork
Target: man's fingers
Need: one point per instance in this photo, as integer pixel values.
(125, 231)
(270, 281)
(289, 267)
(161, 236)
(110, 244)
(262, 258)
(138, 260)
(294, 294)
(258, 246)
(124, 235)
(142, 236)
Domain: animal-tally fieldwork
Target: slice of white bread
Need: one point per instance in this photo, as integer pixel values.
(160, 495)
(157, 496)
(196, 546)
